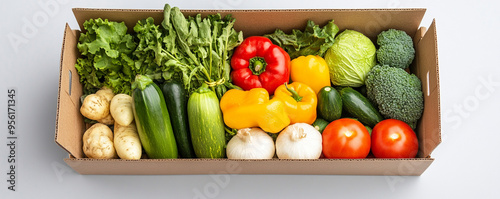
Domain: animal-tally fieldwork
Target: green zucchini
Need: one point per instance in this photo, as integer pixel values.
(206, 124)
(152, 119)
(320, 124)
(359, 107)
(329, 104)
(176, 101)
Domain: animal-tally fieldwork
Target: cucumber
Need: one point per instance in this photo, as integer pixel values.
(369, 129)
(206, 124)
(176, 101)
(362, 90)
(152, 119)
(359, 107)
(320, 124)
(329, 104)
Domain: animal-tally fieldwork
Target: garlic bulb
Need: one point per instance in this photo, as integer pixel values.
(299, 141)
(250, 143)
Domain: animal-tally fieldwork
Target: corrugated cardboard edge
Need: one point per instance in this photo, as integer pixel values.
(411, 167)
(428, 72)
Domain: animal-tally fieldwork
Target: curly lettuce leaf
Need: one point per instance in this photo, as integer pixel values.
(106, 59)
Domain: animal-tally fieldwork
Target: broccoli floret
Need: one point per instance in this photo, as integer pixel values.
(395, 48)
(397, 94)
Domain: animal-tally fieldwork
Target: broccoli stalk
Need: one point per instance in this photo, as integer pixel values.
(397, 94)
(395, 48)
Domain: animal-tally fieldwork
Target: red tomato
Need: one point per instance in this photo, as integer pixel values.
(393, 138)
(346, 138)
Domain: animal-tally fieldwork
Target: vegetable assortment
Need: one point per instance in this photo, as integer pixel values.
(195, 50)
(193, 87)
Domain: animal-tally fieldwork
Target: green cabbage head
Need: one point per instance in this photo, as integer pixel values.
(350, 58)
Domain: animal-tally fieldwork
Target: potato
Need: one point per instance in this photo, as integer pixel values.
(95, 107)
(121, 109)
(106, 92)
(127, 143)
(98, 142)
(108, 120)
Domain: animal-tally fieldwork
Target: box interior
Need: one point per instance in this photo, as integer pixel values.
(70, 126)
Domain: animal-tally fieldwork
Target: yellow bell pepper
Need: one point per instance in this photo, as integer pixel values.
(300, 102)
(245, 109)
(311, 70)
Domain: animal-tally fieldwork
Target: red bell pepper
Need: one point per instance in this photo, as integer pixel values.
(258, 63)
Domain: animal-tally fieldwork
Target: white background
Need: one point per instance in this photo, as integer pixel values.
(467, 162)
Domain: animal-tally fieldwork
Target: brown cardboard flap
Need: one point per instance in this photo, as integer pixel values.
(368, 21)
(69, 122)
(419, 34)
(129, 16)
(429, 129)
(275, 166)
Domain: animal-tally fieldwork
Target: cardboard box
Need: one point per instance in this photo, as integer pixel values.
(70, 126)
